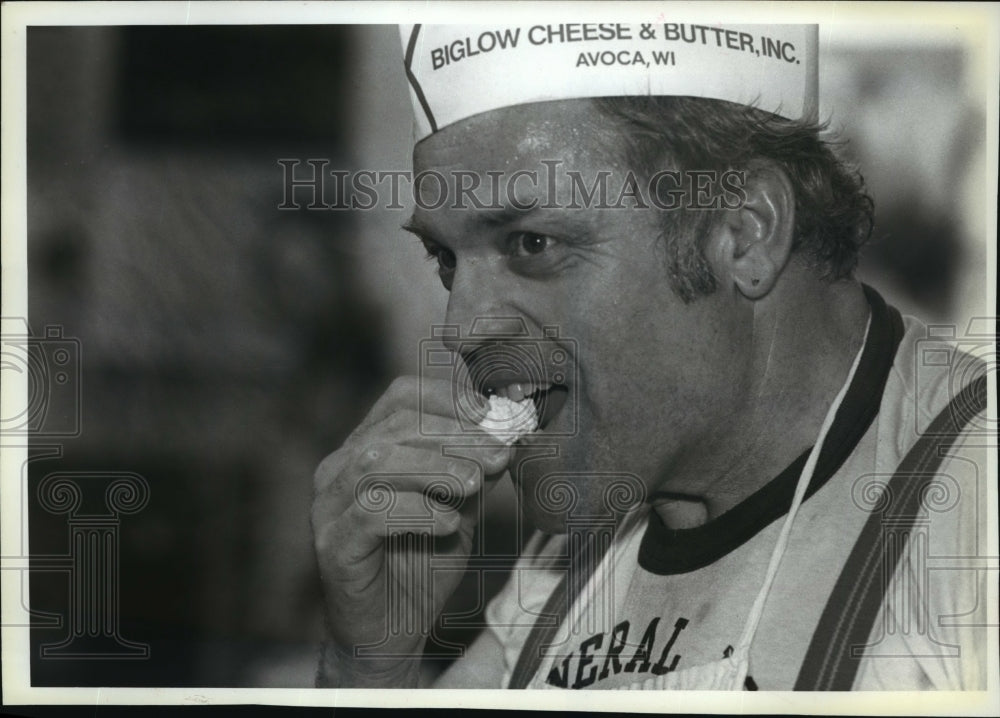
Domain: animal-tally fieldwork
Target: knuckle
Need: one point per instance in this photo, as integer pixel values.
(463, 470)
(327, 471)
(400, 421)
(323, 538)
(371, 456)
(364, 520)
(402, 386)
(393, 422)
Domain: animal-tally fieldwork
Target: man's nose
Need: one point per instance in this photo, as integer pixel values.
(480, 306)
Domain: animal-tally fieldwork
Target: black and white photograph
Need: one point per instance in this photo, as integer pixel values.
(482, 354)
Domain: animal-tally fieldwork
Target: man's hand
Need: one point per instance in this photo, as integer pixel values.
(372, 565)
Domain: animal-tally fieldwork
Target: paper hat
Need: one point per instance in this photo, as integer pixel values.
(457, 71)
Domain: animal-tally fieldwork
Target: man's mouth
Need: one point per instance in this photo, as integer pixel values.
(548, 398)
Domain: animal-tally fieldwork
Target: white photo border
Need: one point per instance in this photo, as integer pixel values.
(979, 24)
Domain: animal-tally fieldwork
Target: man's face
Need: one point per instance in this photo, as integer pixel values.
(654, 376)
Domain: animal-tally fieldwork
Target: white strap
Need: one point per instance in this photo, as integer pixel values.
(800, 490)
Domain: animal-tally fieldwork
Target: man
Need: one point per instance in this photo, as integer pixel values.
(701, 475)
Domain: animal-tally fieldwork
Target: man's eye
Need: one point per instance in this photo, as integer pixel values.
(527, 243)
(445, 258)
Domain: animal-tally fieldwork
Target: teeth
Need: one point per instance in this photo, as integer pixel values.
(535, 388)
(518, 391)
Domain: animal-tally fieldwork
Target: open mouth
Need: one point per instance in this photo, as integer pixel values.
(548, 399)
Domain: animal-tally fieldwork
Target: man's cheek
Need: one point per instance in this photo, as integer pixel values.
(607, 410)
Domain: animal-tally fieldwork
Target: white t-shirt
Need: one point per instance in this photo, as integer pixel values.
(663, 601)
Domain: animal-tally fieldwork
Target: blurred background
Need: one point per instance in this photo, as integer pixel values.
(226, 346)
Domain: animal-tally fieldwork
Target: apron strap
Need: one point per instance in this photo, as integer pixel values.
(555, 610)
(837, 647)
(541, 635)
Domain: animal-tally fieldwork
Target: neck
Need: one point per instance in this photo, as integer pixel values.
(800, 342)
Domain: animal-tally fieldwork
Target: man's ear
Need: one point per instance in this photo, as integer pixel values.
(750, 246)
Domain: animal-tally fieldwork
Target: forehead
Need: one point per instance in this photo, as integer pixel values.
(569, 131)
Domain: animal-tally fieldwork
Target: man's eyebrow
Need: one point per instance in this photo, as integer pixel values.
(492, 216)
(496, 216)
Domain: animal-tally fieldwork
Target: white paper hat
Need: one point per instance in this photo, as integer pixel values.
(457, 71)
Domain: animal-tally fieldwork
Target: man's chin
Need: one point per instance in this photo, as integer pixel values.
(555, 504)
(543, 504)
(558, 488)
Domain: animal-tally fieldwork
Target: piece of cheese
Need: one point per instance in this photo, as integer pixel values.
(509, 420)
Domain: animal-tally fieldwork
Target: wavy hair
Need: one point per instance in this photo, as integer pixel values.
(834, 214)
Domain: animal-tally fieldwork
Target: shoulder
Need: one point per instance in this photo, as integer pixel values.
(932, 366)
(930, 630)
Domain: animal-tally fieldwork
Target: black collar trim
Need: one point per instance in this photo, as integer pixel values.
(665, 551)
